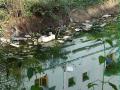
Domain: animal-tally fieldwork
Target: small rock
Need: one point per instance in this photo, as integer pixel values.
(15, 45)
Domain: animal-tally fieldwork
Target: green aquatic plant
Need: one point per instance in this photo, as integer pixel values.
(112, 69)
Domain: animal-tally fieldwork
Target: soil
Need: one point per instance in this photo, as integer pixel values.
(43, 25)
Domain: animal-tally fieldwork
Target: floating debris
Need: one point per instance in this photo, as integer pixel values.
(18, 38)
(78, 29)
(66, 37)
(69, 69)
(60, 41)
(106, 16)
(87, 26)
(27, 36)
(47, 38)
(102, 25)
(15, 45)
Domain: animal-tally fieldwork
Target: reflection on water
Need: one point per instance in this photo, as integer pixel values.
(78, 70)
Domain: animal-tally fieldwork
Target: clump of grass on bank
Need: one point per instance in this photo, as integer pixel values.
(66, 5)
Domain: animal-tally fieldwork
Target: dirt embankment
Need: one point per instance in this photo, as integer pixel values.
(33, 24)
(108, 7)
(27, 25)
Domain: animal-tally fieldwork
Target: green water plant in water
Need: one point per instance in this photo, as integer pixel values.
(112, 69)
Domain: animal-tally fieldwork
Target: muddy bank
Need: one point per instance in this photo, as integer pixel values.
(96, 11)
(44, 25)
